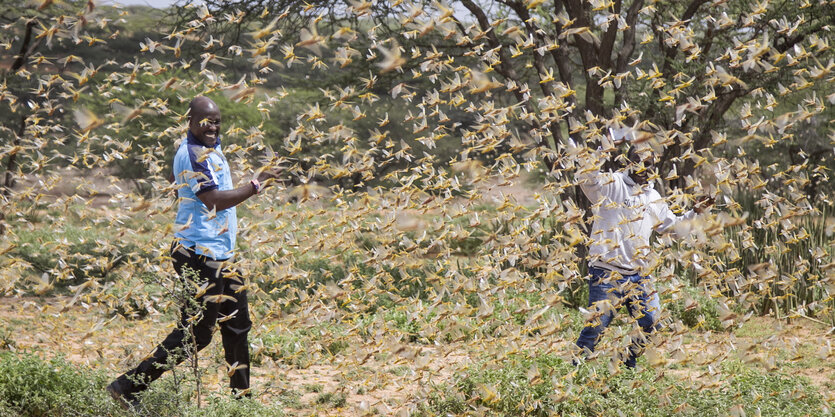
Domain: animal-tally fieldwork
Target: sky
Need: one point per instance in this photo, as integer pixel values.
(152, 3)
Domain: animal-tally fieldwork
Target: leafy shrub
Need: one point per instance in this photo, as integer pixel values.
(695, 309)
(32, 386)
(302, 347)
(547, 385)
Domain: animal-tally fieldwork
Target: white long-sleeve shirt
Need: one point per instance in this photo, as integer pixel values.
(625, 215)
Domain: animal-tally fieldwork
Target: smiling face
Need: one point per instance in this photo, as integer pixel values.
(204, 120)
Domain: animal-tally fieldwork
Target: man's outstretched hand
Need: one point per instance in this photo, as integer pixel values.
(267, 176)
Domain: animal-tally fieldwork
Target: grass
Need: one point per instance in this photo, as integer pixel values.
(529, 384)
(801, 352)
(302, 347)
(32, 386)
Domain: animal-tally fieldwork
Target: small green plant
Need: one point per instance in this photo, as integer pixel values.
(401, 321)
(336, 400)
(32, 386)
(7, 341)
(313, 387)
(695, 309)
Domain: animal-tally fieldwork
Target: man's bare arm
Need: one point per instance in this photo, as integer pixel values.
(222, 200)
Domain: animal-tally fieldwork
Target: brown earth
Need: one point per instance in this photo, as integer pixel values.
(386, 376)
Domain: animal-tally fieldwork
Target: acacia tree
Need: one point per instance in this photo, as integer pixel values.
(574, 67)
(35, 87)
(31, 92)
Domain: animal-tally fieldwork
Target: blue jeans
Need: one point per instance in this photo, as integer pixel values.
(607, 297)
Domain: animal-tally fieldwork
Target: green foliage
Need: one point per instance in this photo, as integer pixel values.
(543, 385)
(334, 399)
(168, 398)
(31, 386)
(410, 326)
(695, 309)
(785, 262)
(85, 255)
(302, 347)
(226, 406)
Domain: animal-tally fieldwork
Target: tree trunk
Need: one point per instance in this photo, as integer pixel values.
(20, 60)
(24, 47)
(8, 182)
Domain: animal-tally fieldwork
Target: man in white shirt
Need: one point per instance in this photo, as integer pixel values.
(626, 209)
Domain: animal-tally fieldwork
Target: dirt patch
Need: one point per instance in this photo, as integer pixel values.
(97, 187)
(372, 377)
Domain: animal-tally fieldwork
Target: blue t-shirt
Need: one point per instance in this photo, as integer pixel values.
(197, 169)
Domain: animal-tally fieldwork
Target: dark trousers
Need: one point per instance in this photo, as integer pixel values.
(220, 301)
(608, 297)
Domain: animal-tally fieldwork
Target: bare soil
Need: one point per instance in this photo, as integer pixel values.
(385, 377)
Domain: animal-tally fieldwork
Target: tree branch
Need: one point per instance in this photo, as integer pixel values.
(607, 42)
(628, 46)
(24, 47)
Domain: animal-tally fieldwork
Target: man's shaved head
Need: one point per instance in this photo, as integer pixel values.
(201, 105)
(204, 120)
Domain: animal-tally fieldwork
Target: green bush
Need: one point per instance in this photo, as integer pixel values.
(695, 309)
(296, 347)
(32, 386)
(401, 321)
(226, 406)
(170, 398)
(546, 385)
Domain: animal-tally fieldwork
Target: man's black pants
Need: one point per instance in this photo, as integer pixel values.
(234, 324)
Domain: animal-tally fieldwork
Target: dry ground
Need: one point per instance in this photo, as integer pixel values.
(355, 383)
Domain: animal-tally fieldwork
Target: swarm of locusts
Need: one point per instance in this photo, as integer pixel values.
(429, 215)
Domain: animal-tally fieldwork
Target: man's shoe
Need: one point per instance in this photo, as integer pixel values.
(126, 401)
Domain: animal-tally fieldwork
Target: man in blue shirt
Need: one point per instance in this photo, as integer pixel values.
(204, 243)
